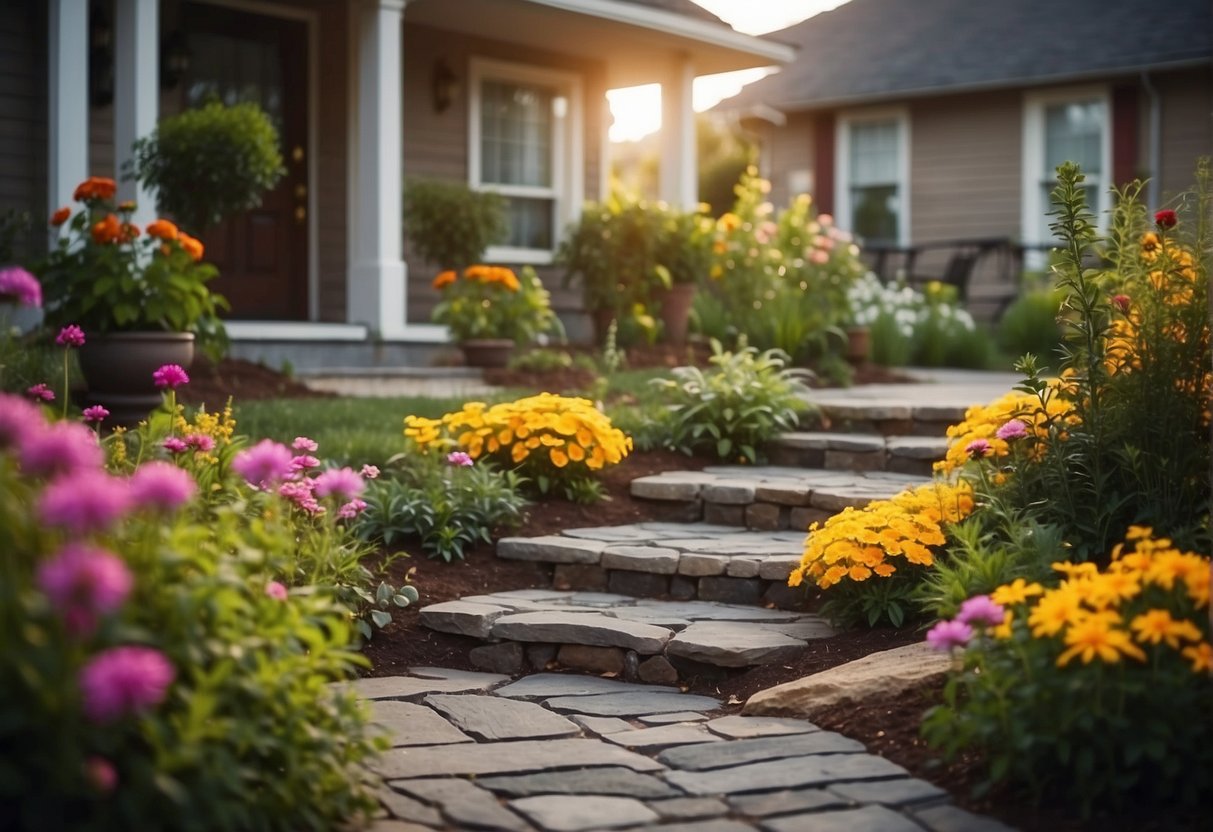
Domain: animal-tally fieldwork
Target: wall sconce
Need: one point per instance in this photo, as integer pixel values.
(174, 60)
(446, 86)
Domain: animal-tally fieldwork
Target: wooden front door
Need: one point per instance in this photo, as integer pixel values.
(261, 255)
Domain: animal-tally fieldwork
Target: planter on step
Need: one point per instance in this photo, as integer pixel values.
(118, 369)
(487, 352)
(859, 344)
(676, 311)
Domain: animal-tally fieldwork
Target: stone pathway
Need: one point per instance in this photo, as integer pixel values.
(565, 753)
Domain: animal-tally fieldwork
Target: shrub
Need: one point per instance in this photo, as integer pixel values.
(447, 505)
(234, 149)
(1092, 691)
(1030, 325)
(555, 442)
(449, 224)
(730, 410)
(493, 302)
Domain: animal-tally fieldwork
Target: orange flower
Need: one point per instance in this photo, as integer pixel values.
(162, 229)
(445, 278)
(60, 217)
(95, 187)
(193, 247)
(129, 232)
(108, 230)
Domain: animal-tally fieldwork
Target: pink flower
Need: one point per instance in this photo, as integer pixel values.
(16, 282)
(161, 485)
(299, 492)
(96, 413)
(84, 582)
(1165, 218)
(1122, 302)
(341, 482)
(825, 219)
(820, 256)
(70, 336)
(171, 376)
(1014, 429)
(175, 445)
(84, 501)
(981, 610)
(948, 634)
(460, 459)
(265, 463)
(351, 509)
(124, 680)
(200, 442)
(100, 774)
(370, 472)
(303, 462)
(62, 447)
(978, 448)
(41, 393)
(276, 591)
(302, 443)
(18, 419)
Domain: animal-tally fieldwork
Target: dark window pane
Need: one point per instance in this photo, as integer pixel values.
(530, 222)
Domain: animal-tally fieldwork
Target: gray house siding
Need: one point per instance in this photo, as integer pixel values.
(789, 151)
(23, 62)
(1187, 125)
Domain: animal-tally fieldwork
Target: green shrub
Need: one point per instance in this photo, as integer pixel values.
(730, 410)
(1030, 325)
(208, 163)
(447, 506)
(449, 224)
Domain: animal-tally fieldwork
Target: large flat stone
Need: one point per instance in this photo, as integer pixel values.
(698, 564)
(614, 780)
(506, 758)
(653, 559)
(689, 808)
(632, 704)
(408, 687)
(786, 802)
(727, 644)
(813, 770)
(888, 671)
(778, 567)
(742, 751)
(550, 549)
(462, 618)
(949, 818)
(713, 611)
(678, 485)
(450, 674)
(465, 804)
(863, 819)
(738, 727)
(409, 724)
(661, 737)
(492, 718)
(737, 493)
(928, 448)
(890, 792)
(575, 813)
(544, 685)
(556, 627)
(407, 808)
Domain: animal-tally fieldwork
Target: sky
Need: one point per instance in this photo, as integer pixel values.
(637, 110)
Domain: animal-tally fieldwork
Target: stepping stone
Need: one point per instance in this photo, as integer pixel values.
(751, 727)
(515, 757)
(544, 685)
(534, 594)
(579, 628)
(408, 687)
(721, 825)
(575, 813)
(463, 618)
(785, 802)
(733, 645)
(602, 724)
(807, 628)
(863, 819)
(403, 806)
(689, 808)
(452, 675)
(491, 718)
(929, 448)
(631, 704)
(669, 719)
(813, 770)
(621, 782)
(615, 534)
(654, 559)
(661, 737)
(550, 549)
(409, 724)
(601, 599)
(682, 486)
(711, 611)
(740, 752)
(464, 803)
(955, 819)
(651, 615)
(698, 564)
(890, 792)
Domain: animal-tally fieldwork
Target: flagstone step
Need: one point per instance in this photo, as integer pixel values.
(909, 409)
(767, 497)
(637, 639)
(858, 451)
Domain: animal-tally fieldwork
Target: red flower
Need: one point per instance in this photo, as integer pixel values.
(1165, 218)
(1122, 303)
(95, 187)
(60, 217)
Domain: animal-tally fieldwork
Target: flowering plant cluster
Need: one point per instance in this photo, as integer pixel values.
(1015, 416)
(548, 439)
(106, 274)
(1133, 640)
(494, 302)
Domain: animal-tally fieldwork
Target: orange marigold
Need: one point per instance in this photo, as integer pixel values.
(193, 247)
(445, 278)
(95, 187)
(162, 229)
(60, 217)
(107, 230)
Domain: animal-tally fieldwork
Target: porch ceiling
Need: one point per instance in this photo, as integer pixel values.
(632, 40)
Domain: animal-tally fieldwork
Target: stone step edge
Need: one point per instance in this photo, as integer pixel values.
(857, 452)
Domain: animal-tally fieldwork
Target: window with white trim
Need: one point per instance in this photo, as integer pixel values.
(524, 145)
(1061, 126)
(873, 192)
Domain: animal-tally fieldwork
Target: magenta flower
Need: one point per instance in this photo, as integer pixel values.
(60, 448)
(200, 442)
(351, 509)
(41, 393)
(171, 376)
(83, 583)
(175, 445)
(304, 461)
(70, 336)
(1014, 429)
(978, 448)
(276, 591)
(84, 501)
(341, 482)
(161, 486)
(101, 774)
(370, 472)
(18, 419)
(124, 680)
(948, 634)
(96, 413)
(981, 610)
(265, 463)
(16, 282)
(1123, 303)
(304, 445)
(459, 458)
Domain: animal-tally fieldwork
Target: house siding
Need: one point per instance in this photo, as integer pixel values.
(791, 159)
(23, 101)
(1187, 126)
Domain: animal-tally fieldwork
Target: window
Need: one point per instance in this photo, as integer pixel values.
(873, 193)
(525, 145)
(1066, 125)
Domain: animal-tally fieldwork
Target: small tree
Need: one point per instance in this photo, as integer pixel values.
(449, 224)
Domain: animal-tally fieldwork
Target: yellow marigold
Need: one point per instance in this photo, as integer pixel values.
(1157, 626)
(1097, 636)
(1056, 610)
(728, 223)
(1201, 656)
(982, 422)
(1016, 592)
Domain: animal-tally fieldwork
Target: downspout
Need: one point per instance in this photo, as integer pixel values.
(1155, 129)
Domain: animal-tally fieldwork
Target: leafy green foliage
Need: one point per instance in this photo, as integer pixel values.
(875, 603)
(728, 411)
(209, 163)
(1030, 325)
(449, 224)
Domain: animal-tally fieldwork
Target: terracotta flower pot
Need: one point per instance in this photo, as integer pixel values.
(676, 311)
(118, 369)
(487, 352)
(859, 344)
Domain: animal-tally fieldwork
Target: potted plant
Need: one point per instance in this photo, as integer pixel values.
(490, 309)
(140, 295)
(450, 225)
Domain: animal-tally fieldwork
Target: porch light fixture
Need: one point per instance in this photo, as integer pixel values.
(174, 60)
(445, 86)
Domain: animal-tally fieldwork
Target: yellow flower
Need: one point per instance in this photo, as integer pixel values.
(1016, 592)
(559, 458)
(1096, 636)
(1057, 609)
(1156, 626)
(1201, 656)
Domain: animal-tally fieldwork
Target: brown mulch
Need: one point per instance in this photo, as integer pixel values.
(887, 725)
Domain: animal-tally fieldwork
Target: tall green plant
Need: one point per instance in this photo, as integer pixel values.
(449, 224)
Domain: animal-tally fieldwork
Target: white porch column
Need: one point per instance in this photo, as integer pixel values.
(67, 112)
(678, 166)
(136, 90)
(376, 294)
